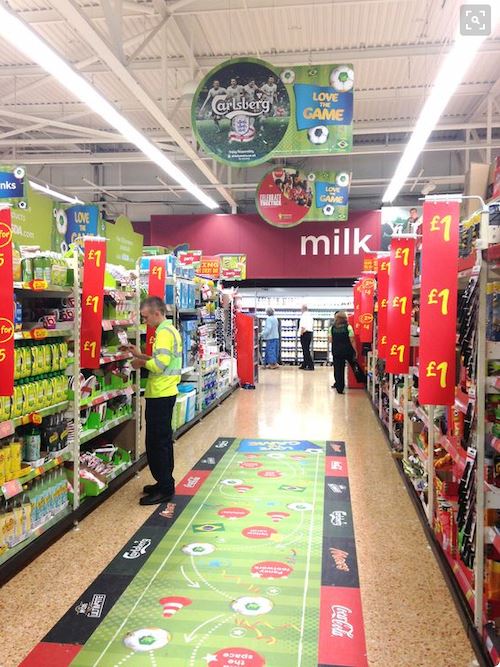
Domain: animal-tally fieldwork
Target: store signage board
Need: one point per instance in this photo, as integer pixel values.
(124, 245)
(233, 267)
(246, 111)
(6, 305)
(210, 267)
(399, 304)
(287, 196)
(94, 267)
(383, 272)
(156, 287)
(13, 186)
(438, 305)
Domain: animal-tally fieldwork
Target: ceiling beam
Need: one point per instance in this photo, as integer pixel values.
(320, 57)
(91, 37)
(134, 157)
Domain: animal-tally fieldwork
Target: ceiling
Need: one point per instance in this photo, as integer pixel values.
(144, 57)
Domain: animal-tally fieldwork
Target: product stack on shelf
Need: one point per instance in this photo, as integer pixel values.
(203, 313)
(451, 454)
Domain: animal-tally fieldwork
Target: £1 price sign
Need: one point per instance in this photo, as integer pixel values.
(367, 293)
(6, 306)
(156, 287)
(399, 304)
(94, 267)
(438, 304)
(383, 269)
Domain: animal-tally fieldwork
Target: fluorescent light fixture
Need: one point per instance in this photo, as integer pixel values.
(22, 38)
(453, 69)
(53, 193)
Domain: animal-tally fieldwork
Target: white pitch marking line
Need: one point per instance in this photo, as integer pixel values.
(162, 565)
(306, 587)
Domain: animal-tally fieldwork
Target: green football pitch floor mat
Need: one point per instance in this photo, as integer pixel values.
(252, 564)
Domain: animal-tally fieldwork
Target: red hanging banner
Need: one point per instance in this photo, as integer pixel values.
(156, 287)
(383, 269)
(367, 292)
(399, 304)
(438, 305)
(357, 308)
(370, 260)
(94, 268)
(6, 306)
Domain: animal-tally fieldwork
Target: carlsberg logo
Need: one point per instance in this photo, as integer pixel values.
(233, 107)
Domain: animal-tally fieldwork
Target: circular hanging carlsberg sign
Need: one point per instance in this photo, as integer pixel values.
(284, 197)
(240, 112)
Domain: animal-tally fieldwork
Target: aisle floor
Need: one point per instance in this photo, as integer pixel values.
(410, 618)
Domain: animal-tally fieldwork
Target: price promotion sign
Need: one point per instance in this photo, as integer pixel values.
(357, 307)
(399, 304)
(94, 267)
(6, 306)
(367, 292)
(383, 269)
(438, 305)
(156, 287)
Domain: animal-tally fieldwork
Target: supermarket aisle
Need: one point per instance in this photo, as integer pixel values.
(410, 619)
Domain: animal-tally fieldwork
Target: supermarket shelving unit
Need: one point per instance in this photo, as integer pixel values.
(432, 466)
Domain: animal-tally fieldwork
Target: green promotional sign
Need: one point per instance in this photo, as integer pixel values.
(13, 186)
(34, 225)
(124, 245)
(287, 196)
(246, 111)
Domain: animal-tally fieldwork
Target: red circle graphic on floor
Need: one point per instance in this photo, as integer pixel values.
(251, 464)
(269, 474)
(270, 569)
(233, 512)
(242, 657)
(258, 532)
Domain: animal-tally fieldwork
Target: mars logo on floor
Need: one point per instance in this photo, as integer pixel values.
(92, 609)
(138, 549)
(222, 444)
(340, 559)
(338, 518)
(337, 488)
(341, 627)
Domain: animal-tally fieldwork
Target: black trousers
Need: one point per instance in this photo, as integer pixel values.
(339, 369)
(305, 341)
(159, 444)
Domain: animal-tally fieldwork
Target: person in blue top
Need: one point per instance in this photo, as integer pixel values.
(271, 335)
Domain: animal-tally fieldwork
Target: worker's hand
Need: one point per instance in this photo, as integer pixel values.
(134, 350)
(137, 363)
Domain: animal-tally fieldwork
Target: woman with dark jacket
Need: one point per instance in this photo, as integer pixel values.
(342, 341)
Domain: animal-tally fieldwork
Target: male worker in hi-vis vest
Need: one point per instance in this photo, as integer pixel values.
(165, 367)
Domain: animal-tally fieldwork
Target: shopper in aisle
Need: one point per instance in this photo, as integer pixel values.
(342, 341)
(271, 335)
(306, 327)
(164, 368)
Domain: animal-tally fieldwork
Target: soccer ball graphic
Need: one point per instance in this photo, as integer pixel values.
(287, 76)
(342, 179)
(342, 78)
(328, 210)
(318, 135)
(311, 177)
(146, 639)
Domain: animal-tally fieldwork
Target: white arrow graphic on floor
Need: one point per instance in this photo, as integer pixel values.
(202, 578)
(204, 638)
(191, 584)
(192, 635)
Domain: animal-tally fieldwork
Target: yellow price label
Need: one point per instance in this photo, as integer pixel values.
(400, 302)
(441, 224)
(95, 256)
(93, 301)
(90, 346)
(398, 351)
(442, 298)
(404, 254)
(435, 369)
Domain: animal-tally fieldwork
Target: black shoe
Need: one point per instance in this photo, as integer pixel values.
(339, 391)
(308, 369)
(151, 488)
(156, 498)
(334, 386)
(302, 368)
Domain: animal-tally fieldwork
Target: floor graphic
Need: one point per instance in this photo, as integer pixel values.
(253, 564)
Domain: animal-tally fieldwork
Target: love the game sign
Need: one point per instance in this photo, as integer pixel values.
(247, 111)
